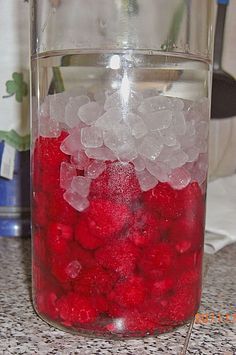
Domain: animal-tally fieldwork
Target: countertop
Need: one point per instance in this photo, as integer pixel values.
(23, 332)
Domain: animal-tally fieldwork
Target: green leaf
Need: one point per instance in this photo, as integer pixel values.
(10, 87)
(15, 140)
(17, 86)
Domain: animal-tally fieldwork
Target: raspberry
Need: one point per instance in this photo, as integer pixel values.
(136, 321)
(193, 202)
(74, 309)
(58, 237)
(39, 208)
(95, 281)
(189, 261)
(187, 235)
(48, 152)
(129, 293)
(160, 256)
(60, 210)
(84, 236)
(50, 180)
(120, 256)
(39, 247)
(118, 183)
(100, 303)
(189, 278)
(162, 287)
(164, 200)
(85, 257)
(66, 268)
(107, 218)
(182, 305)
(145, 228)
(46, 304)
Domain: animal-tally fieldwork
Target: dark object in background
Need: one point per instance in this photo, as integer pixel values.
(15, 198)
(224, 85)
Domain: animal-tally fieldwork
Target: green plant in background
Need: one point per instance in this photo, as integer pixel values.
(173, 34)
(16, 87)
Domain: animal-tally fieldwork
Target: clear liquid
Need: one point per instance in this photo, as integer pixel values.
(98, 75)
(182, 77)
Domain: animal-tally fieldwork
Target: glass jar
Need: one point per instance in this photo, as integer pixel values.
(120, 114)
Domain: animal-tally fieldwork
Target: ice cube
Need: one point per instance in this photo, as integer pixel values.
(44, 110)
(72, 143)
(80, 160)
(95, 169)
(117, 137)
(192, 153)
(203, 107)
(146, 180)
(109, 119)
(158, 120)
(72, 107)
(178, 159)
(81, 185)
(150, 148)
(177, 104)
(179, 178)
(139, 163)
(73, 269)
(100, 97)
(126, 152)
(168, 137)
(67, 172)
(168, 152)
(49, 127)
(91, 137)
(90, 112)
(78, 202)
(158, 169)
(57, 106)
(136, 124)
(154, 103)
(178, 123)
(102, 153)
(118, 99)
(202, 129)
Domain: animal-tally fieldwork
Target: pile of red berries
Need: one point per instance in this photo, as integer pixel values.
(129, 264)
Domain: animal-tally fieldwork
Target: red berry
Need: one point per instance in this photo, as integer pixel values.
(39, 208)
(84, 236)
(48, 152)
(39, 247)
(85, 257)
(145, 228)
(129, 293)
(138, 322)
(118, 183)
(107, 218)
(45, 302)
(164, 200)
(189, 278)
(186, 234)
(162, 287)
(160, 256)
(75, 309)
(100, 303)
(120, 256)
(58, 237)
(95, 281)
(182, 305)
(65, 268)
(193, 202)
(59, 209)
(190, 261)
